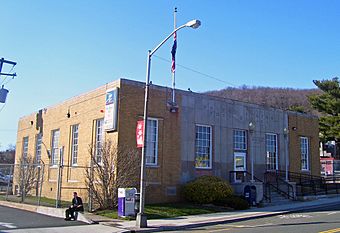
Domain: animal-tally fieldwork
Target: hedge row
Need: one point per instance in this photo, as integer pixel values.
(207, 189)
(213, 190)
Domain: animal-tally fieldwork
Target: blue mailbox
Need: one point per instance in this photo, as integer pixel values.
(250, 194)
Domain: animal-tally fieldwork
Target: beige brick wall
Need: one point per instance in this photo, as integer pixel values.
(84, 110)
(167, 172)
(302, 126)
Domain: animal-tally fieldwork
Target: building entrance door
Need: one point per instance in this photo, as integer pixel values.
(239, 166)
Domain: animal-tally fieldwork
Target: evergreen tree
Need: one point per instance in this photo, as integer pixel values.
(297, 108)
(328, 104)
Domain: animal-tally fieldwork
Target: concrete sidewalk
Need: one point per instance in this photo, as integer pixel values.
(107, 225)
(183, 222)
(54, 212)
(225, 217)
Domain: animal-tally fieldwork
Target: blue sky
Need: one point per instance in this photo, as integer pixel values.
(64, 48)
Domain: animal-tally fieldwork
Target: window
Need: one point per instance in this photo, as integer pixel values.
(55, 146)
(240, 139)
(271, 152)
(99, 140)
(38, 142)
(74, 144)
(25, 148)
(304, 153)
(151, 155)
(203, 146)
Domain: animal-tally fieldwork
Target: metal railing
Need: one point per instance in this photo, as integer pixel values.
(332, 184)
(37, 184)
(6, 179)
(17, 181)
(273, 180)
(307, 184)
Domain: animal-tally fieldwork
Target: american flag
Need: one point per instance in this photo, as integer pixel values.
(173, 53)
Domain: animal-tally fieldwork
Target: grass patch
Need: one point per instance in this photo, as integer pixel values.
(108, 213)
(168, 210)
(33, 200)
(157, 211)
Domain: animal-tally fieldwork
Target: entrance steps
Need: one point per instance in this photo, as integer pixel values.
(277, 199)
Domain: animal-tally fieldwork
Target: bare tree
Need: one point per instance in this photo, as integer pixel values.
(27, 175)
(111, 168)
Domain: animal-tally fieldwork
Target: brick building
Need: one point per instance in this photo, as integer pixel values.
(206, 136)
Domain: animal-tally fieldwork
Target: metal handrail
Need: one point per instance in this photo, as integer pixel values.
(314, 183)
(244, 172)
(278, 178)
(301, 176)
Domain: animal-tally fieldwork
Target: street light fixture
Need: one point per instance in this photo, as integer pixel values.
(141, 220)
(193, 23)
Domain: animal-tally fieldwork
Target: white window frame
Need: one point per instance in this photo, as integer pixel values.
(306, 154)
(276, 153)
(38, 144)
(238, 136)
(154, 143)
(210, 146)
(25, 147)
(239, 154)
(55, 138)
(74, 144)
(99, 139)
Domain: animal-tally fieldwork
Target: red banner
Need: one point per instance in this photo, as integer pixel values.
(140, 134)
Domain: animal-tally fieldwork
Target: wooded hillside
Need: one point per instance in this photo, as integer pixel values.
(283, 98)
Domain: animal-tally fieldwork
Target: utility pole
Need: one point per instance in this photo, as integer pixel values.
(3, 91)
(2, 62)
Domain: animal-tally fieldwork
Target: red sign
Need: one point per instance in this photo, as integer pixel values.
(140, 134)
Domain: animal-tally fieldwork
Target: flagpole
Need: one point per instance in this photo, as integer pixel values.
(173, 73)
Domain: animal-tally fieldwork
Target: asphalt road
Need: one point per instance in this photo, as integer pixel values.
(325, 220)
(11, 218)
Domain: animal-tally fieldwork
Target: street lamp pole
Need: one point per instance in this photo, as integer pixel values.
(141, 220)
(251, 126)
(286, 138)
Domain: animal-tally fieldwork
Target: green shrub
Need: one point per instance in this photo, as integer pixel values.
(235, 202)
(206, 190)
(208, 179)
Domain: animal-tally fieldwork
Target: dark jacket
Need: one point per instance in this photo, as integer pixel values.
(79, 202)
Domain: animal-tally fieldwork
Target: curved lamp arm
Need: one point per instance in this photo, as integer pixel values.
(193, 24)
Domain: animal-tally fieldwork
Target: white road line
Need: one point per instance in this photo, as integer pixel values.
(332, 213)
(8, 225)
(293, 216)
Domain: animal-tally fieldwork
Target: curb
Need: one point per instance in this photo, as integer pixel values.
(53, 212)
(231, 219)
(205, 223)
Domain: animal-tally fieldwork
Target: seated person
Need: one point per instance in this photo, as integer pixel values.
(77, 205)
